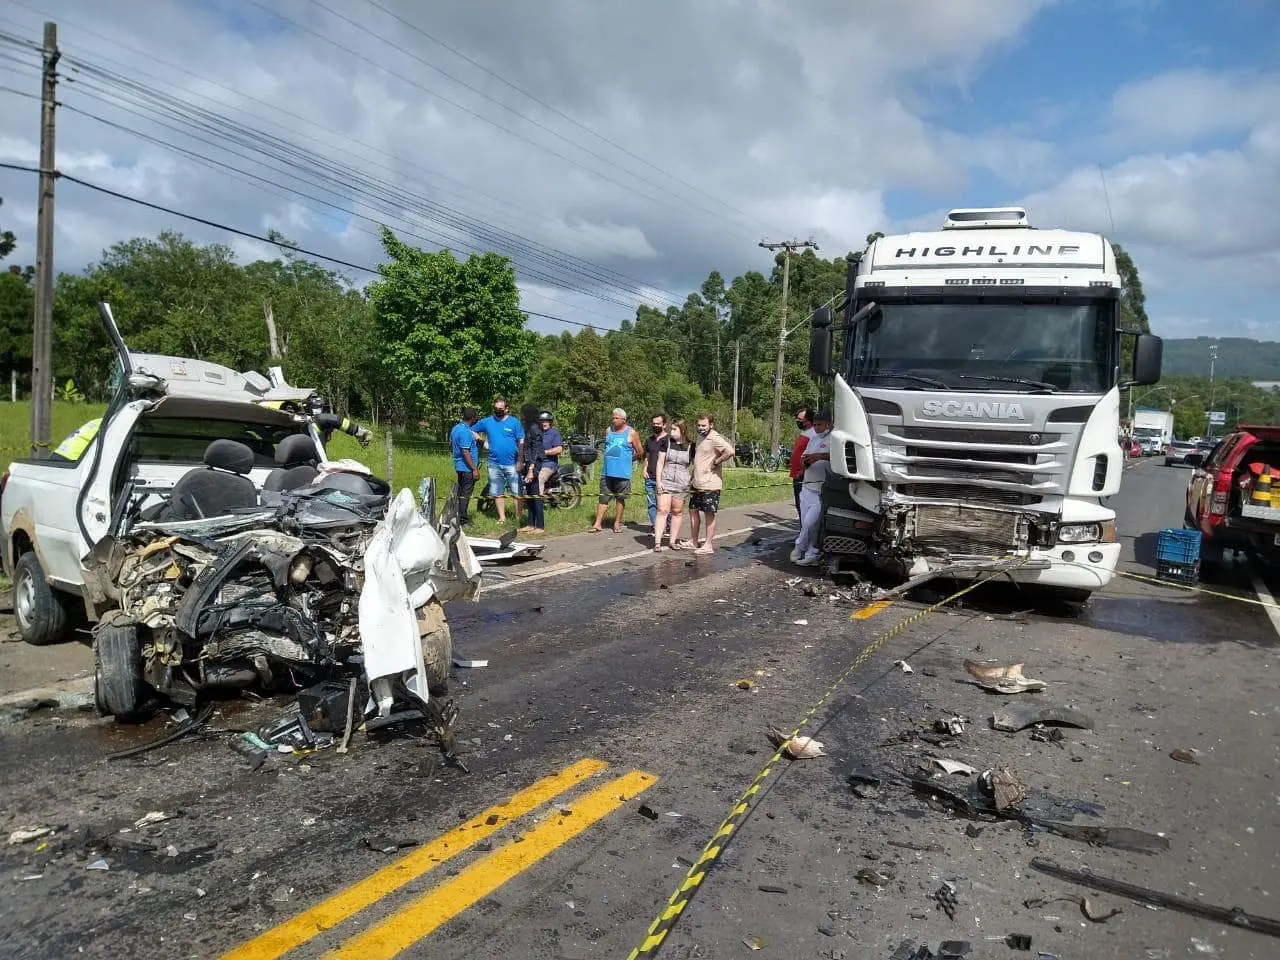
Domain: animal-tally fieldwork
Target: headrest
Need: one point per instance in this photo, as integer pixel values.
(298, 450)
(229, 455)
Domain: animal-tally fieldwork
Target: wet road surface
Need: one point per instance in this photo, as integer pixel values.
(620, 684)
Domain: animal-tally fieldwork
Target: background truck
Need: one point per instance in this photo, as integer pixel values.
(1154, 430)
(977, 403)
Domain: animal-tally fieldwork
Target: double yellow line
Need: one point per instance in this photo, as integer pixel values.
(406, 926)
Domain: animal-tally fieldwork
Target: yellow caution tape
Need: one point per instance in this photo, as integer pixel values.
(679, 900)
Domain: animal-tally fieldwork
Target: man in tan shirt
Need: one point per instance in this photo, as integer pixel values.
(710, 455)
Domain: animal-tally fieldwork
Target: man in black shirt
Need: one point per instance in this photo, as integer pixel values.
(652, 447)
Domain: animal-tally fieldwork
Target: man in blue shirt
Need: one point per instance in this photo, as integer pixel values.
(466, 458)
(505, 437)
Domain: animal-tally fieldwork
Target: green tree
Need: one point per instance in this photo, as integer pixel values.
(587, 378)
(8, 242)
(452, 332)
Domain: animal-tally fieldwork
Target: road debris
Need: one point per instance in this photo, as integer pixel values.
(1053, 735)
(1019, 716)
(772, 888)
(755, 942)
(155, 816)
(1091, 913)
(1230, 916)
(952, 726)
(954, 949)
(384, 844)
(99, 864)
(27, 834)
(874, 878)
(1004, 678)
(952, 766)
(797, 748)
(746, 683)
(945, 898)
(647, 812)
(1185, 756)
(1006, 789)
(905, 667)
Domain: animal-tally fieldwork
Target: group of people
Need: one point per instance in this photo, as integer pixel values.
(680, 466)
(519, 463)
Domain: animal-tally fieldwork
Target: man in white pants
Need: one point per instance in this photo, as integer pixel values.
(817, 463)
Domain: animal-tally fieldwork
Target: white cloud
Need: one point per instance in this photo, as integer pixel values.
(1181, 107)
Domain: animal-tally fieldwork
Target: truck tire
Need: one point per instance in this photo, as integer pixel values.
(40, 611)
(437, 647)
(119, 689)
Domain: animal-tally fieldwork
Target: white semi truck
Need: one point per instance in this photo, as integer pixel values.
(977, 403)
(1154, 430)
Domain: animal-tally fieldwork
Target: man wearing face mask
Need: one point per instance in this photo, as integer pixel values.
(817, 463)
(505, 437)
(652, 447)
(805, 425)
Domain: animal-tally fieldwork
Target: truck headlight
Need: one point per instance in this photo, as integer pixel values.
(1080, 533)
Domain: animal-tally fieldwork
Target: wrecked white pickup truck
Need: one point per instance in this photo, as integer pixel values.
(214, 547)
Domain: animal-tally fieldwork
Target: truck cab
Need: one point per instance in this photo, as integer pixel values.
(977, 402)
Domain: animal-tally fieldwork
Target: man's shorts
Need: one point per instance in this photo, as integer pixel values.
(614, 488)
(503, 479)
(705, 501)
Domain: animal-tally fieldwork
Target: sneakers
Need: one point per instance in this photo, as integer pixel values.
(796, 555)
(808, 561)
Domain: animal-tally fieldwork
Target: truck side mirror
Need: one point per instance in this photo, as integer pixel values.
(1148, 358)
(820, 343)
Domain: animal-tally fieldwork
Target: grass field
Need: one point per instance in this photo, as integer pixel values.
(412, 461)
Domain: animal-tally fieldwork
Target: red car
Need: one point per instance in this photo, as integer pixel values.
(1131, 447)
(1219, 491)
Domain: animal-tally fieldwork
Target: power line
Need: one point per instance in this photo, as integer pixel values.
(543, 103)
(467, 110)
(249, 235)
(186, 216)
(344, 176)
(644, 290)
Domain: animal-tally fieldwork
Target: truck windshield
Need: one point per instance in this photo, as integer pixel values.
(986, 346)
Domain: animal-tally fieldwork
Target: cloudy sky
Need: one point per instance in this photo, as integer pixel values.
(618, 151)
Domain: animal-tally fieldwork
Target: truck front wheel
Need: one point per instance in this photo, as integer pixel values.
(40, 610)
(437, 647)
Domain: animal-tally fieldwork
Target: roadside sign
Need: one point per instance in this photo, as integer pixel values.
(1217, 417)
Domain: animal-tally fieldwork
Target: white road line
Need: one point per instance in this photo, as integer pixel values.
(1271, 610)
(577, 567)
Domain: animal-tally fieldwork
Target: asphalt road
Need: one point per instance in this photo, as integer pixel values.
(620, 685)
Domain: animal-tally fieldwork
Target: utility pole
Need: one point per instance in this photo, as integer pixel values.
(1213, 359)
(737, 357)
(790, 246)
(42, 326)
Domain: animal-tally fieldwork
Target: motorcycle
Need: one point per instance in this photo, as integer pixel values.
(564, 487)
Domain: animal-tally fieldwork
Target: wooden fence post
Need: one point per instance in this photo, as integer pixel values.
(390, 465)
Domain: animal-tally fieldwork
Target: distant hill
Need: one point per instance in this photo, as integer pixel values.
(1237, 357)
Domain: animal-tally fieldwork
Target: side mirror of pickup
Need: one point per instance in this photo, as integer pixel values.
(1148, 358)
(820, 343)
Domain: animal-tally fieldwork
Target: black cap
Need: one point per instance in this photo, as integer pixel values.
(822, 415)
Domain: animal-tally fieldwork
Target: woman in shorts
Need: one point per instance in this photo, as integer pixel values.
(673, 483)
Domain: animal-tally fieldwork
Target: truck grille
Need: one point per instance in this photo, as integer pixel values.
(960, 491)
(965, 531)
(1012, 467)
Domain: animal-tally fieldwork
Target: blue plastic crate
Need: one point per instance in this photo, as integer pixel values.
(1178, 547)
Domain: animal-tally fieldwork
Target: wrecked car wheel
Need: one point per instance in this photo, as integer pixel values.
(437, 647)
(118, 686)
(40, 611)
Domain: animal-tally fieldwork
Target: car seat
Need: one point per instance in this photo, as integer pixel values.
(218, 487)
(296, 456)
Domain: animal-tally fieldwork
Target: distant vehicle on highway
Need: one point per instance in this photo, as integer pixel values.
(1218, 499)
(1178, 452)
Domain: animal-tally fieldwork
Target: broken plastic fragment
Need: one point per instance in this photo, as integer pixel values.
(1002, 677)
(1019, 716)
(906, 667)
(647, 812)
(745, 684)
(27, 834)
(797, 748)
(875, 878)
(952, 766)
(755, 942)
(1184, 756)
(954, 949)
(155, 816)
(98, 865)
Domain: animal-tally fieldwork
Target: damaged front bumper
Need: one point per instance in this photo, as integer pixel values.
(320, 586)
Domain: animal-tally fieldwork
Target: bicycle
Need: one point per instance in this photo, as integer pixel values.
(756, 459)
